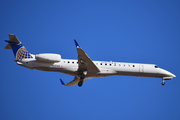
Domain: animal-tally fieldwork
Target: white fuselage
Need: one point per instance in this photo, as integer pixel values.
(83, 68)
(69, 66)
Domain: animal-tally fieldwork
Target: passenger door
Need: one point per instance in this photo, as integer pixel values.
(141, 68)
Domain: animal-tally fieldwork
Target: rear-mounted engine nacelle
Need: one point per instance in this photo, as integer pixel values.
(46, 57)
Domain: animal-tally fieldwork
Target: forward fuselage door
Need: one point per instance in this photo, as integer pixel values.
(141, 68)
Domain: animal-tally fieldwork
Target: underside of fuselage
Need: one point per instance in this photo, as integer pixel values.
(101, 74)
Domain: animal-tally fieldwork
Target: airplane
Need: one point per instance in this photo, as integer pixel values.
(83, 68)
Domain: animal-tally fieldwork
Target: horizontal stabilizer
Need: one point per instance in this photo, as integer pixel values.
(8, 46)
(13, 40)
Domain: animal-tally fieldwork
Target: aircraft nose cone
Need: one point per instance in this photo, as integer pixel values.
(167, 73)
(173, 75)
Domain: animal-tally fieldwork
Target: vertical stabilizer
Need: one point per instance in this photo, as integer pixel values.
(20, 52)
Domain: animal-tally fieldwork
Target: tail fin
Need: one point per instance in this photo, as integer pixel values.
(19, 50)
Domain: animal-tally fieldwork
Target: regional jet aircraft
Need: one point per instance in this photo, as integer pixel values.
(83, 68)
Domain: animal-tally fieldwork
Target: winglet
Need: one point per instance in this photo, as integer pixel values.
(77, 45)
(62, 82)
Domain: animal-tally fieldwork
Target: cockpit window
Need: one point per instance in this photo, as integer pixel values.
(156, 66)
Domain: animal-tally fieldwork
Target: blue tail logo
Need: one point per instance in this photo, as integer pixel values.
(20, 52)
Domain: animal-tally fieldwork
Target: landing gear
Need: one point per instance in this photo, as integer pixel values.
(163, 83)
(80, 83)
(82, 78)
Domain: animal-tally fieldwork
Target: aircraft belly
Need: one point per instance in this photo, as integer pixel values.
(69, 71)
(139, 74)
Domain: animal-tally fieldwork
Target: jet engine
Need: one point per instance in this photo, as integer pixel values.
(46, 57)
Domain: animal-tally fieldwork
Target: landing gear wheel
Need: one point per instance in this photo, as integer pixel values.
(80, 83)
(163, 83)
(82, 78)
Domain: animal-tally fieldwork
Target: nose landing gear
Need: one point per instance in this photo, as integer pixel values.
(166, 78)
(163, 83)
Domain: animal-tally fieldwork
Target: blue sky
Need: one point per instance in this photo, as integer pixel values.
(124, 31)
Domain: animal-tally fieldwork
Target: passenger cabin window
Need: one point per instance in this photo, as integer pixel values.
(133, 65)
(156, 66)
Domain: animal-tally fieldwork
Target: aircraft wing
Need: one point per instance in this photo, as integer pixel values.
(85, 63)
(73, 82)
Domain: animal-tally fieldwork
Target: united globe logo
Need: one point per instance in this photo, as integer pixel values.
(22, 54)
